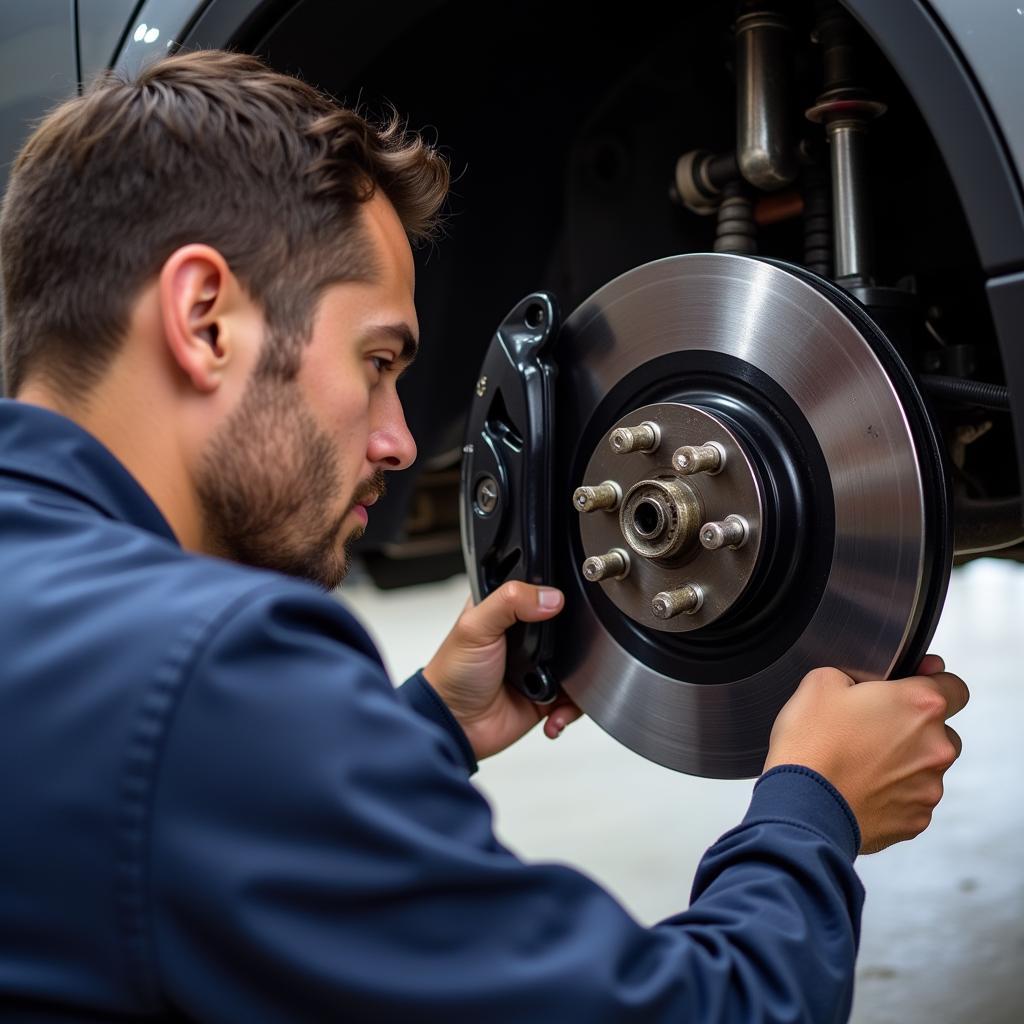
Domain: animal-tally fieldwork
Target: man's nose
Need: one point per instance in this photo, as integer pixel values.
(391, 445)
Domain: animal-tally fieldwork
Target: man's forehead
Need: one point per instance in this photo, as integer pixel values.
(387, 234)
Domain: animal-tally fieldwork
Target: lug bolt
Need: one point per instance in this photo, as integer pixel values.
(670, 603)
(705, 458)
(603, 496)
(731, 532)
(644, 438)
(487, 495)
(614, 565)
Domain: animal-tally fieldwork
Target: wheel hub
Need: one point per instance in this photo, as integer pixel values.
(688, 520)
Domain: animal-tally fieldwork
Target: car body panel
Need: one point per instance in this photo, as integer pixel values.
(38, 68)
(959, 63)
(102, 26)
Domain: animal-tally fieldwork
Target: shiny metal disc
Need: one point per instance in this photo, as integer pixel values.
(765, 317)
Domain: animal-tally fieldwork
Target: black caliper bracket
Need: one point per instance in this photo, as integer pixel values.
(506, 478)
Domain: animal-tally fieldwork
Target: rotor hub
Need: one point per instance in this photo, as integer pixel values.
(689, 516)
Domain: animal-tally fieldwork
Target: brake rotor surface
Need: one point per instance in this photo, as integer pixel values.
(853, 545)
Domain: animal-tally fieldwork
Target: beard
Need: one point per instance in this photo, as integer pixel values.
(269, 486)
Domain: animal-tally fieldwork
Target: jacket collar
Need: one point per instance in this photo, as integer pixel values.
(50, 449)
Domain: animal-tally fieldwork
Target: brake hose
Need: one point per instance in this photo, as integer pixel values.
(972, 392)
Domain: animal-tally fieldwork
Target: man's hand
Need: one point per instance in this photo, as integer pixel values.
(884, 745)
(469, 668)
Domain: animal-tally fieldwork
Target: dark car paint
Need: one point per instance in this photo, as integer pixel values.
(38, 67)
(926, 43)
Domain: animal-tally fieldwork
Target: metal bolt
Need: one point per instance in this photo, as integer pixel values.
(705, 458)
(731, 532)
(590, 499)
(670, 603)
(644, 438)
(614, 565)
(481, 387)
(487, 495)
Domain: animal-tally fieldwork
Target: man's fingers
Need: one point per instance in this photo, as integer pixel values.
(827, 677)
(954, 738)
(930, 665)
(559, 717)
(511, 603)
(952, 688)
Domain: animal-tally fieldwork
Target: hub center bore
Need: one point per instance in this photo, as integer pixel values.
(648, 518)
(661, 518)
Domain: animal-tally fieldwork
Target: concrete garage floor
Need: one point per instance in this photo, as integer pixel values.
(943, 935)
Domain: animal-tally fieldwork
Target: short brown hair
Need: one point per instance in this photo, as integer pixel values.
(208, 147)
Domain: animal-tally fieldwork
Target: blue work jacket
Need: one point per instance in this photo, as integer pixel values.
(217, 808)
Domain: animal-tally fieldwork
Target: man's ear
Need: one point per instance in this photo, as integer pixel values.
(196, 291)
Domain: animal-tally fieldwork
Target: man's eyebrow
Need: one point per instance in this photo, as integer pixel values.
(401, 332)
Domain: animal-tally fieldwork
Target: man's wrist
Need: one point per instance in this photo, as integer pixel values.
(469, 726)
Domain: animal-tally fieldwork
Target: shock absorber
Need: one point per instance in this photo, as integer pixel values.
(764, 138)
(846, 110)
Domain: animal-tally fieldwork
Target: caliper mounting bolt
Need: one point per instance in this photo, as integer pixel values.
(487, 495)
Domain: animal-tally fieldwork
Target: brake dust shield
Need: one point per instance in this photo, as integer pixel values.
(763, 493)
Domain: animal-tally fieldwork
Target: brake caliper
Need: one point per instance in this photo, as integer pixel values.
(506, 477)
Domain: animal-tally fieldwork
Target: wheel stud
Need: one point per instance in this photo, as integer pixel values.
(613, 565)
(603, 496)
(644, 438)
(731, 532)
(670, 603)
(705, 458)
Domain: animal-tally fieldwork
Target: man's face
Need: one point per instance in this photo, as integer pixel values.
(285, 483)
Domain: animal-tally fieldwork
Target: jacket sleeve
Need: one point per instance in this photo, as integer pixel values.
(418, 694)
(316, 852)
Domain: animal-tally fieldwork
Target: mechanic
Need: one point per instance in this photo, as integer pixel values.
(217, 807)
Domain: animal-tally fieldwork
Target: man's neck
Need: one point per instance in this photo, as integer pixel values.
(144, 442)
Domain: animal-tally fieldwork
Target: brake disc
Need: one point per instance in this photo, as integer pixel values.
(746, 485)
(848, 520)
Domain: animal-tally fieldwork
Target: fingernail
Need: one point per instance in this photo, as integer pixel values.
(548, 597)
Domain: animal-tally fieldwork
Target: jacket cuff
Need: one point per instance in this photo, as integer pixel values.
(797, 794)
(419, 695)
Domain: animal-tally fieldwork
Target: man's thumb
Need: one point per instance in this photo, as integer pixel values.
(512, 602)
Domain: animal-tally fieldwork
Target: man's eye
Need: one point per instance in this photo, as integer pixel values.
(380, 363)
